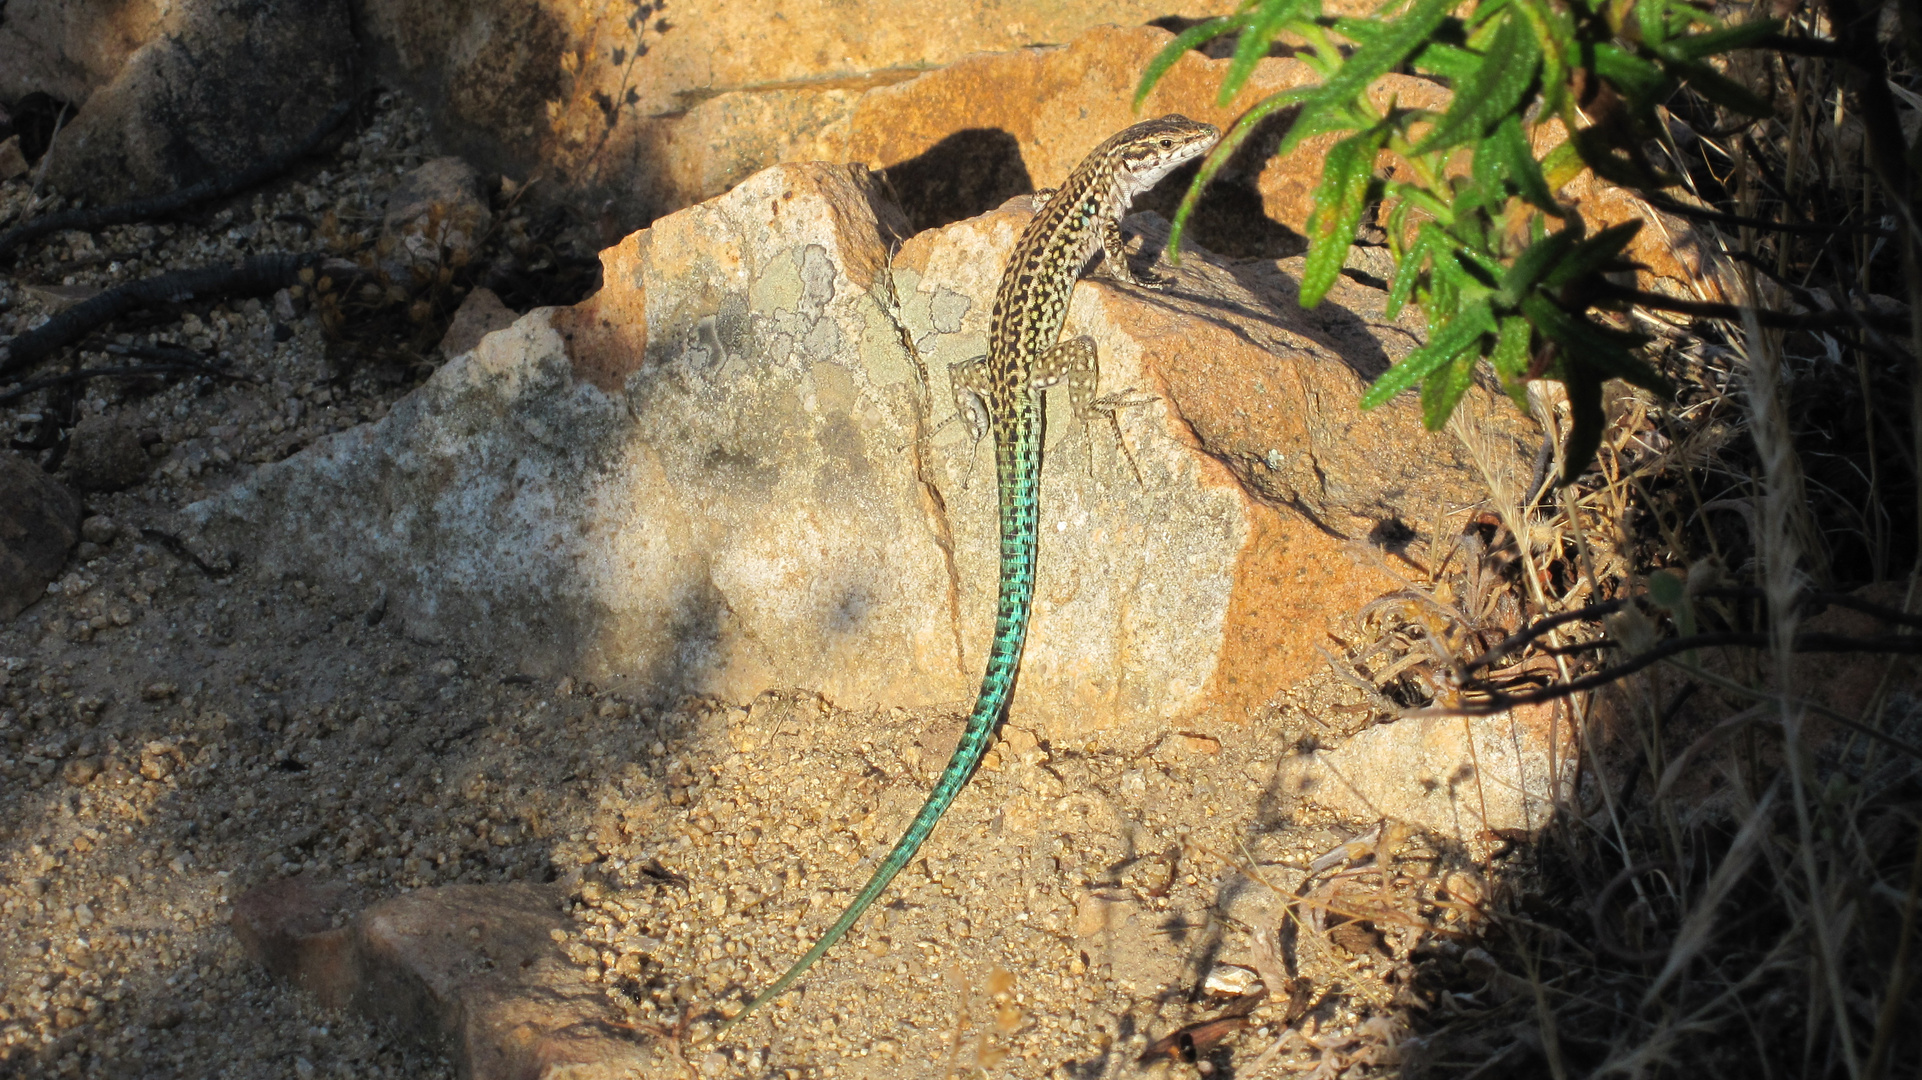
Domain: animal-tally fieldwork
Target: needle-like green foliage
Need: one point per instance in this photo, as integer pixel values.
(1500, 267)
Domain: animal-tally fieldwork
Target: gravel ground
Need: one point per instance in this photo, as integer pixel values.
(175, 729)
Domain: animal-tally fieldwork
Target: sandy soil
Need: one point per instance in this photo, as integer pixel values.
(175, 729)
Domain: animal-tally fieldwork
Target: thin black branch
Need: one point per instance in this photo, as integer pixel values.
(124, 372)
(173, 202)
(1774, 320)
(1806, 228)
(1501, 701)
(255, 276)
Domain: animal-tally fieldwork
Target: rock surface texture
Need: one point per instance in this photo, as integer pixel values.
(725, 473)
(39, 522)
(1456, 776)
(212, 89)
(474, 968)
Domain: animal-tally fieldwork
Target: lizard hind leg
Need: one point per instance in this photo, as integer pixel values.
(1072, 361)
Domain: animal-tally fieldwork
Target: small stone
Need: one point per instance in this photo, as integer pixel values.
(99, 529)
(83, 914)
(434, 221)
(158, 691)
(104, 454)
(12, 161)
(1232, 979)
(80, 771)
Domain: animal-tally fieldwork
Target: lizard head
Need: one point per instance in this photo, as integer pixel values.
(1152, 149)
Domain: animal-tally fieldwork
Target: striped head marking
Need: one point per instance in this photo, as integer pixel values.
(1152, 149)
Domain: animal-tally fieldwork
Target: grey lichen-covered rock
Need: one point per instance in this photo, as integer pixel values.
(726, 472)
(39, 522)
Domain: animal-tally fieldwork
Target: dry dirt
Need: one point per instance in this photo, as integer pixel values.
(175, 729)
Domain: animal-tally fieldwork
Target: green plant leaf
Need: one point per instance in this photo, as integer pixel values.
(1445, 344)
(1508, 149)
(1602, 351)
(1252, 46)
(1368, 63)
(1744, 36)
(1340, 200)
(1408, 268)
(1237, 134)
(1510, 358)
(1555, 32)
(1533, 265)
(1592, 254)
(1199, 34)
(1451, 62)
(1641, 81)
(1513, 57)
(1444, 387)
(1587, 420)
(1722, 90)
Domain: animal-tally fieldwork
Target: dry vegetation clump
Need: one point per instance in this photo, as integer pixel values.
(1734, 888)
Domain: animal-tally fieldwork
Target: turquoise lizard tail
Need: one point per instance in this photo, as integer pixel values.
(1017, 470)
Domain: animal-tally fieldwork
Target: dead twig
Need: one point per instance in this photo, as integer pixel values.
(254, 276)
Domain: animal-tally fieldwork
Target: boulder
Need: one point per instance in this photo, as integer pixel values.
(214, 88)
(726, 472)
(39, 523)
(588, 92)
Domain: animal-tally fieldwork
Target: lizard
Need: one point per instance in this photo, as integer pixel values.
(1002, 391)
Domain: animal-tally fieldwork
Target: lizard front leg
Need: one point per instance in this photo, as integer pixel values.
(1114, 261)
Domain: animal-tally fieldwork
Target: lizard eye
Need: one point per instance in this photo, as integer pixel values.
(1167, 144)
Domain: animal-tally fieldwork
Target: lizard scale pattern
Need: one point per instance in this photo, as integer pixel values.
(1001, 392)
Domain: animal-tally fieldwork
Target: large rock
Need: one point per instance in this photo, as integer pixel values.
(39, 523)
(474, 968)
(70, 48)
(725, 473)
(588, 92)
(216, 87)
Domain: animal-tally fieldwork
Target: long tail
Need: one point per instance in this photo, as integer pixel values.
(1017, 459)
